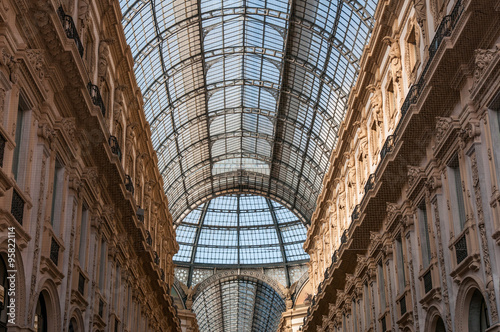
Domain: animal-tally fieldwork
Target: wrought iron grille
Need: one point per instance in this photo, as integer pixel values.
(427, 281)
(156, 258)
(388, 147)
(17, 207)
(115, 147)
(402, 305)
(95, 95)
(54, 251)
(70, 30)
(2, 149)
(81, 283)
(162, 274)
(334, 257)
(149, 240)
(461, 249)
(128, 184)
(370, 183)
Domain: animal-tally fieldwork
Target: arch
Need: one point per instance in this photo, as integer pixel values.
(234, 274)
(76, 321)
(471, 301)
(48, 299)
(434, 321)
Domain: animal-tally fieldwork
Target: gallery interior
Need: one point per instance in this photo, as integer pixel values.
(250, 165)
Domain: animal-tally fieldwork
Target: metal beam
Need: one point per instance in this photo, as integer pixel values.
(195, 243)
(280, 239)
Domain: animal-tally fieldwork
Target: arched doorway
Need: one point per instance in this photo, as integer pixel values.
(41, 318)
(478, 313)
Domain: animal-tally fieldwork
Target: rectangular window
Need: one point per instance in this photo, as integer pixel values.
(354, 316)
(425, 243)
(83, 238)
(391, 96)
(117, 288)
(102, 266)
(366, 301)
(57, 192)
(18, 139)
(457, 193)
(381, 286)
(400, 265)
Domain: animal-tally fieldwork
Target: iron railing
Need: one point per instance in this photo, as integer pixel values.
(17, 207)
(461, 249)
(370, 183)
(356, 212)
(70, 30)
(115, 147)
(156, 258)
(128, 184)
(149, 240)
(54, 251)
(388, 147)
(343, 238)
(96, 97)
(162, 274)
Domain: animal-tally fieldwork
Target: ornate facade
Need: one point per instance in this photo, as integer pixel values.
(406, 231)
(80, 190)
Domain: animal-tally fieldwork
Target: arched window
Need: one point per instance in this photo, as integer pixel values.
(478, 313)
(41, 315)
(73, 326)
(3, 295)
(440, 325)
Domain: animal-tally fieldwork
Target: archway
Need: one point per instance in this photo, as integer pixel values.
(478, 313)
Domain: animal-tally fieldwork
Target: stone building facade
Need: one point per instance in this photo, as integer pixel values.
(406, 231)
(80, 191)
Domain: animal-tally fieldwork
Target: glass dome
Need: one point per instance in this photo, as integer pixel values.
(241, 230)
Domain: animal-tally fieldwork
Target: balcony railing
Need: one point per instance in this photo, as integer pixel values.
(149, 240)
(370, 183)
(2, 149)
(17, 207)
(115, 147)
(54, 251)
(356, 213)
(162, 274)
(427, 281)
(70, 29)
(461, 249)
(388, 147)
(128, 184)
(156, 258)
(343, 238)
(95, 95)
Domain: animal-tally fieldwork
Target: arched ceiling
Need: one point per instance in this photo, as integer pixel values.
(245, 95)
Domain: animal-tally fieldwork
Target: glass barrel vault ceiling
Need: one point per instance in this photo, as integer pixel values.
(240, 230)
(245, 95)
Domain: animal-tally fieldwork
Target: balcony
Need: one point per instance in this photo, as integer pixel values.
(95, 95)
(115, 148)
(370, 183)
(70, 29)
(356, 213)
(388, 147)
(156, 258)
(140, 215)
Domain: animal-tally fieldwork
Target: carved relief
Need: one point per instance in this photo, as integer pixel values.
(395, 58)
(35, 57)
(442, 125)
(413, 173)
(118, 103)
(482, 59)
(420, 14)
